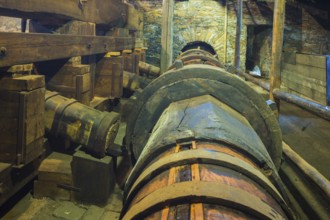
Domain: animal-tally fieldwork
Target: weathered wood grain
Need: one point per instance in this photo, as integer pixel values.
(102, 12)
(311, 60)
(22, 48)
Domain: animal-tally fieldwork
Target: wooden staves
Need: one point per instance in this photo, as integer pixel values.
(23, 48)
(201, 181)
(21, 118)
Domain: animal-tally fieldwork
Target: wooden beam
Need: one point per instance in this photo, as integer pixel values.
(278, 29)
(22, 48)
(101, 12)
(238, 34)
(167, 35)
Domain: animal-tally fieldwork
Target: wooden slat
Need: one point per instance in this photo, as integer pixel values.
(311, 60)
(25, 48)
(308, 71)
(103, 12)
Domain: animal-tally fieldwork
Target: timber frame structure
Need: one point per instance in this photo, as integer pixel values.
(63, 79)
(76, 48)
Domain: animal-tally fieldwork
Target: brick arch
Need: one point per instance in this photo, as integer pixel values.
(216, 39)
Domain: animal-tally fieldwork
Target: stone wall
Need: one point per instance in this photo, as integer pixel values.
(8, 24)
(214, 21)
(210, 21)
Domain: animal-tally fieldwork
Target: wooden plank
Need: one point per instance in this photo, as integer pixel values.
(26, 83)
(25, 48)
(311, 60)
(308, 71)
(56, 168)
(328, 79)
(308, 92)
(101, 12)
(305, 81)
(239, 16)
(167, 35)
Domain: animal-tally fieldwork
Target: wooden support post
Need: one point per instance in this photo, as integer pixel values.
(278, 26)
(238, 34)
(167, 35)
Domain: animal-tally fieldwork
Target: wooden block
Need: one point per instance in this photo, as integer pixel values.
(42, 188)
(90, 175)
(83, 82)
(77, 28)
(130, 64)
(73, 81)
(311, 60)
(33, 151)
(128, 51)
(33, 101)
(22, 120)
(20, 68)
(119, 32)
(11, 153)
(56, 168)
(67, 74)
(26, 83)
(113, 54)
(109, 77)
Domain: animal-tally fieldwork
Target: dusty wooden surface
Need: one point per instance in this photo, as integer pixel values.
(96, 11)
(22, 48)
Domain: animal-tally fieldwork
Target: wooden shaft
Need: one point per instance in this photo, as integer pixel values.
(134, 82)
(167, 35)
(320, 110)
(238, 34)
(278, 26)
(79, 123)
(261, 83)
(149, 69)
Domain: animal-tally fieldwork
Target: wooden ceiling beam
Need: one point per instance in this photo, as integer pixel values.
(100, 12)
(22, 48)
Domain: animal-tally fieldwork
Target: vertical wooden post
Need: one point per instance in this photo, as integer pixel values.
(238, 33)
(167, 35)
(278, 26)
(225, 40)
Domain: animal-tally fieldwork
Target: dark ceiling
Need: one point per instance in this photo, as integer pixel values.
(322, 4)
